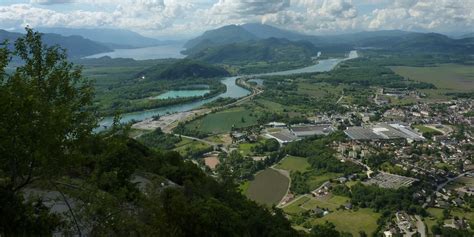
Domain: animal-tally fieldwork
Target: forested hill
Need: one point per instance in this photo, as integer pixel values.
(183, 69)
(224, 35)
(419, 42)
(269, 50)
(76, 46)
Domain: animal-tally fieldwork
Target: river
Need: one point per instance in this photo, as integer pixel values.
(233, 91)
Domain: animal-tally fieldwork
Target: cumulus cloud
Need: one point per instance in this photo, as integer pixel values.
(187, 17)
(440, 15)
(50, 2)
(136, 15)
(316, 16)
(249, 7)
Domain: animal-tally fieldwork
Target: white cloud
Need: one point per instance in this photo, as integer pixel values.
(50, 2)
(431, 15)
(249, 7)
(190, 17)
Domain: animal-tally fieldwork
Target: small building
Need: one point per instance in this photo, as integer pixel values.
(283, 136)
(311, 130)
(276, 125)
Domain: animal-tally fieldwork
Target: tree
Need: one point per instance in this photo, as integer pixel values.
(327, 230)
(44, 119)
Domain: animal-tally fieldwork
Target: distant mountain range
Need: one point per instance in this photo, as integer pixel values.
(390, 40)
(76, 46)
(112, 38)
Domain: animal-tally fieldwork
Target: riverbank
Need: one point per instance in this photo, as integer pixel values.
(233, 91)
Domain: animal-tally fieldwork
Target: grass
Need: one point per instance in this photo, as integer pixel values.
(268, 187)
(332, 203)
(243, 187)
(437, 214)
(246, 148)
(270, 105)
(424, 129)
(450, 77)
(318, 179)
(223, 121)
(293, 163)
(295, 207)
(318, 90)
(363, 219)
(187, 146)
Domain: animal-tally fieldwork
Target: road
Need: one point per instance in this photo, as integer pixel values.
(168, 122)
(439, 187)
(369, 171)
(292, 201)
(420, 226)
(204, 141)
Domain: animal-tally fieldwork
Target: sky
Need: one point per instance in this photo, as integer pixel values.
(179, 19)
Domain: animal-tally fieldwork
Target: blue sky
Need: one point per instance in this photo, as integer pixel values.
(187, 18)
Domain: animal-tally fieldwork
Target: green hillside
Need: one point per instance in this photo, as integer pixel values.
(185, 69)
(268, 50)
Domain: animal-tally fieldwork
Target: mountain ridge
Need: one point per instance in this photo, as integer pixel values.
(76, 46)
(114, 38)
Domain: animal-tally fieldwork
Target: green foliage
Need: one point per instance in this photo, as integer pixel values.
(268, 145)
(46, 136)
(159, 140)
(383, 200)
(19, 217)
(186, 69)
(299, 183)
(327, 229)
(376, 160)
(44, 113)
(44, 119)
(321, 155)
(272, 50)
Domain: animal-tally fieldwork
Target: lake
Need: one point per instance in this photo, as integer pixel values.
(180, 94)
(233, 91)
(155, 52)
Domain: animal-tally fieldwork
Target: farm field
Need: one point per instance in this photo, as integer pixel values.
(293, 163)
(187, 146)
(222, 121)
(295, 207)
(245, 149)
(332, 203)
(363, 219)
(268, 187)
(318, 90)
(317, 180)
(448, 77)
(308, 203)
(270, 105)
